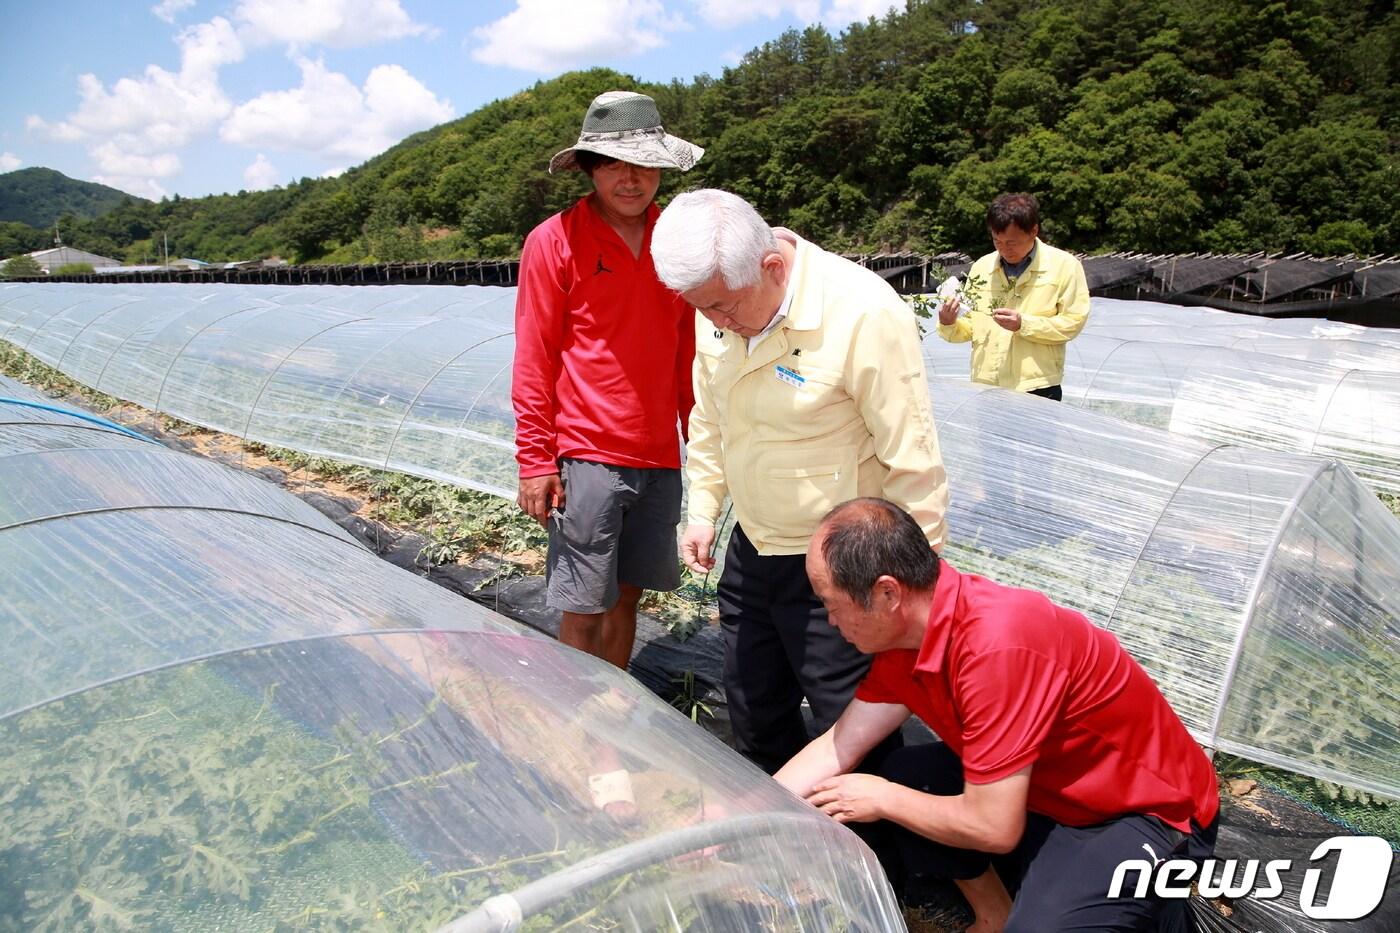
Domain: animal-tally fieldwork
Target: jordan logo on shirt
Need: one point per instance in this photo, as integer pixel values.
(601, 268)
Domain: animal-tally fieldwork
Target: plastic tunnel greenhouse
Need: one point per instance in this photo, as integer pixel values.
(406, 378)
(1260, 588)
(1297, 392)
(1251, 398)
(221, 712)
(1113, 312)
(1335, 343)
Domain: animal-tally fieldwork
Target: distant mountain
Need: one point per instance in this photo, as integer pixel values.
(39, 196)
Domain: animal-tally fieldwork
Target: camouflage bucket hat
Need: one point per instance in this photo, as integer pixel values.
(626, 126)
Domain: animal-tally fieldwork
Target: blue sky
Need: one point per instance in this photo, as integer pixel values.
(194, 97)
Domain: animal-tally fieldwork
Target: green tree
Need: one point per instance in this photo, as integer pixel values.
(1061, 174)
(312, 225)
(1220, 151)
(18, 237)
(1123, 120)
(393, 232)
(1281, 79)
(1323, 174)
(1057, 43)
(22, 266)
(1339, 238)
(1023, 99)
(74, 268)
(940, 120)
(1150, 210)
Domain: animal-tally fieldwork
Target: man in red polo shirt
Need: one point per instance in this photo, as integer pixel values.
(1057, 748)
(603, 353)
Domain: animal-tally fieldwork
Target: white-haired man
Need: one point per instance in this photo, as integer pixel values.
(809, 390)
(602, 378)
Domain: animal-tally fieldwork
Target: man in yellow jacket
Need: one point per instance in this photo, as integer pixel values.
(810, 390)
(1024, 302)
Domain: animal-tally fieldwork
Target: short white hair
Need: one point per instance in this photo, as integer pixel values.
(706, 233)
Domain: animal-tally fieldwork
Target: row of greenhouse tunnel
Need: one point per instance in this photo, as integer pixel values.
(226, 713)
(274, 719)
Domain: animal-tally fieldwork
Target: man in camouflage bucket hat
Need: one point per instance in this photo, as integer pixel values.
(626, 126)
(602, 379)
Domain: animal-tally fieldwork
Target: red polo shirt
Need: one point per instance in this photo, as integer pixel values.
(603, 350)
(1007, 679)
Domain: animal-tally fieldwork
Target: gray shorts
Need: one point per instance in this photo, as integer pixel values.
(618, 525)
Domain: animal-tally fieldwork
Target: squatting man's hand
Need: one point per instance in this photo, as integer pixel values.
(696, 544)
(850, 798)
(1007, 318)
(539, 494)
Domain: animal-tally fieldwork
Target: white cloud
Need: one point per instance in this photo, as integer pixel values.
(206, 48)
(840, 13)
(260, 175)
(332, 118)
(167, 9)
(132, 128)
(158, 110)
(147, 188)
(62, 132)
(9, 161)
(334, 172)
(836, 14)
(549, 36)
(135, 172)
(113, 161)
(341, 24)
(727, 13)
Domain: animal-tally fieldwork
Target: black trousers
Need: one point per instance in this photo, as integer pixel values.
(1059, 875)
(1056, 393)
(778, 648)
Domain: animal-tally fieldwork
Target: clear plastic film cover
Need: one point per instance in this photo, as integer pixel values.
(23, 405)
(402, 781)
(220, 715)
(1177, 547)
(413, 378)
(1308, 386)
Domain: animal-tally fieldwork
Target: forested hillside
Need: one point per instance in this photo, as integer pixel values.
(37, 197)
(1142, 124)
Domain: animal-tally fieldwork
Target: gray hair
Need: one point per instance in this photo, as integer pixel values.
(708, 232)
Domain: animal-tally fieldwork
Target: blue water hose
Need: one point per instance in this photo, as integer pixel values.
(82, 416)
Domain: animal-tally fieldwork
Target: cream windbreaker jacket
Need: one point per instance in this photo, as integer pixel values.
(1053, 298)
(832, 405)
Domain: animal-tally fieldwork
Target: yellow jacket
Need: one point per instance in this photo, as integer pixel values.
(1053, 299)
(833, 404)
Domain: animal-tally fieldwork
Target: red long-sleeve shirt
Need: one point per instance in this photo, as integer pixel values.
(603, 350)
